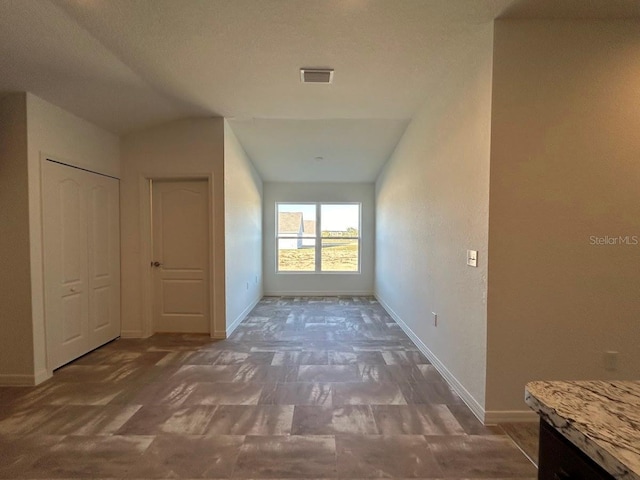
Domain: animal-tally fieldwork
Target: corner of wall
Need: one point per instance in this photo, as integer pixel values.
(16, 342)
(243, 232)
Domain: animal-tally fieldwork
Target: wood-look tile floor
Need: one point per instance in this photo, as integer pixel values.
(305, 388)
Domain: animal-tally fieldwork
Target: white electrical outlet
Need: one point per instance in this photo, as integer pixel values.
(472, 258)
(435, 319)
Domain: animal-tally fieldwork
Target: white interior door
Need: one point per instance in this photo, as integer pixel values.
(103, 217)
(65, 263)
(181, 244)
(81, 249)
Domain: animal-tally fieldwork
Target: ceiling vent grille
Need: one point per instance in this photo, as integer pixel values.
(316, 75)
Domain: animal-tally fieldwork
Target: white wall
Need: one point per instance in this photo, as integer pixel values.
(431, 206)
(16, 341)
(70, 139)
(44, 131)
(184, 148)
(564, 167)
(243, 231)
(320, 283)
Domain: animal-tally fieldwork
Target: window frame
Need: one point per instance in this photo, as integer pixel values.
(317, 240)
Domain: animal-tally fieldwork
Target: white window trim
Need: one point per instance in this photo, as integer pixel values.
(318, 240)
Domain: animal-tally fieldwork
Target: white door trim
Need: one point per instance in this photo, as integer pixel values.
(146, 251)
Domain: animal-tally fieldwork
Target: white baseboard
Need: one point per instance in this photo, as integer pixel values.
(131, 334)
(492, 417)
(454, 383)
(319, 294)
(10, 380)
(231, 327)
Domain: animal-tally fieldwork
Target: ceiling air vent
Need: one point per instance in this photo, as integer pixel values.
(316, 75)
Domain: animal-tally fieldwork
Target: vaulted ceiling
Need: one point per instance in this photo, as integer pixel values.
(126, 65)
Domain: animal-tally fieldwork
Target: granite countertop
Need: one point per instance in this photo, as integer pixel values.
(601, 418)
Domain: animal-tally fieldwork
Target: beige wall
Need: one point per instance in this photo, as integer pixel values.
(243, 231)
(183, 148)
(321, 283)
(564, 167)
(16, 341)
(431, 206)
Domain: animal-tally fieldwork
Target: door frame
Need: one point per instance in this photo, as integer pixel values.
(146, 246)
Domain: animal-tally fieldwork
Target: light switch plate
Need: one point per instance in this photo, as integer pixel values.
(472, 258)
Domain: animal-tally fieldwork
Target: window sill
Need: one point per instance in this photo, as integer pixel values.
(319, 273)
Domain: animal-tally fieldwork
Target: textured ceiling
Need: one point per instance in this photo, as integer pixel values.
(44, 51)
(126, 64)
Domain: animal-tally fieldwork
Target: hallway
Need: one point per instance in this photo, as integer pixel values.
(305, 388)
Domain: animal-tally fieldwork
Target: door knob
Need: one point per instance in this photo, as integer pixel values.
(156, 264)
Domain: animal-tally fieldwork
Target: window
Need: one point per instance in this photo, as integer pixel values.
(318, 237)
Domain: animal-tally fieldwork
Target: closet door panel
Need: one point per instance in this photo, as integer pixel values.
(104, 259)
(65, 263)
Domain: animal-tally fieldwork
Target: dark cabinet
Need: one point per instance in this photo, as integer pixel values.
(561, 460)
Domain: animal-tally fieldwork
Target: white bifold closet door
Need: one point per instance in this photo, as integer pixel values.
(81, 245)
